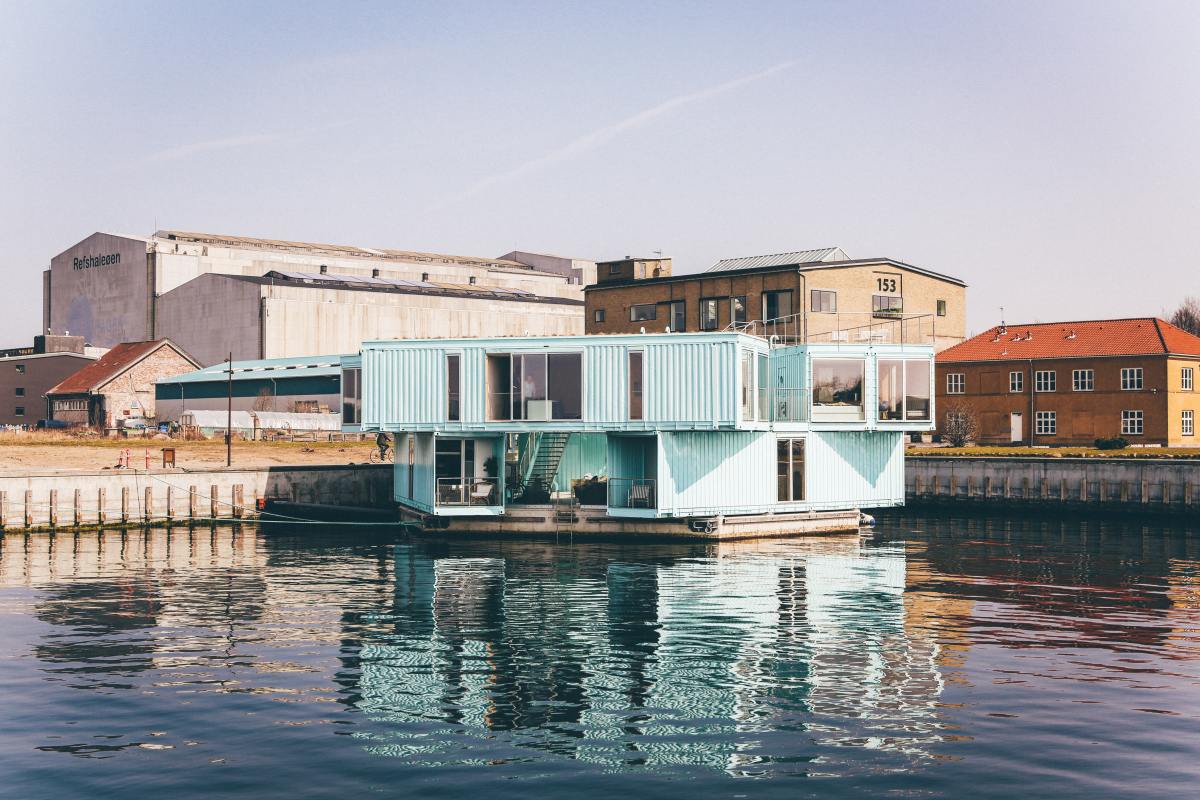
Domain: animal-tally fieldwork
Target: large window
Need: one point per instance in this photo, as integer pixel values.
(790, 470)
(453, 382)
(1131, 422)
(709, 314)
(823, 302)
(351, 396)
(535, 386)
(598, 315)
(1045, 423)
(737, 308)
(1083, 380)
(643, 312)
(677, 314)
(838, 385)
(636, 382)
(1131, 378)
(1185, 379)
(886, 305)
(1016, 382)
(1045, 380)
(956, 383)
(1189, 423)
(903, 390)
(777, 305)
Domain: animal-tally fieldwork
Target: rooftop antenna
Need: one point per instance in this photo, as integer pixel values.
(658, 253)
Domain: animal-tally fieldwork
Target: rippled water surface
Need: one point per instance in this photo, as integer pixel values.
(939, 658)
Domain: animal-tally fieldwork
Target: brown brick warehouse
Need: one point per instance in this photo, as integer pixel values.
(1070, 383)
(824, 288)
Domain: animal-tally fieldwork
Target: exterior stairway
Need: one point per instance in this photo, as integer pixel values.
(544, 465)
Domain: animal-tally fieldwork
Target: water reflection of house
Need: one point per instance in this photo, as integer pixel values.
(659, 663)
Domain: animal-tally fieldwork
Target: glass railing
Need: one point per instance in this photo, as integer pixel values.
(467, 492)
(871, 327)
(632, 493)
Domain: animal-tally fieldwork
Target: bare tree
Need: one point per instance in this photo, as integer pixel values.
(265, 400)
(1187, 316)
(960, 423)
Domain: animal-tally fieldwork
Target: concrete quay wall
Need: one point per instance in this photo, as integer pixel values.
(1134, 485)
(134, 497)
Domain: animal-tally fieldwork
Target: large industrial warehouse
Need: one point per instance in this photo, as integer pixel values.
(265, 298)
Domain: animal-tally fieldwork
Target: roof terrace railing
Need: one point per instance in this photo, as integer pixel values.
(858, 328)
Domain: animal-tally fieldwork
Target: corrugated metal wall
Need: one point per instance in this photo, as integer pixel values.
(716, 472)
(586, 454)
(861, 468)
(422, 471)
(688, 380)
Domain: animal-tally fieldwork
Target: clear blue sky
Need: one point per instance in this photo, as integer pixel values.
(1045, 152)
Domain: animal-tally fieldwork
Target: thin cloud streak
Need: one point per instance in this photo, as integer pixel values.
(606, 134)
(227, 143)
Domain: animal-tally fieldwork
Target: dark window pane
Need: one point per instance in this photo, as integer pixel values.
(452, 388)
(797, 469)
(565, 385)
(635, 385)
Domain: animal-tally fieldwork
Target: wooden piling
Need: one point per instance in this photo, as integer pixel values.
(77, 505)
(1083, 493)
(954, 486)
(237, 500)
(1008, 487)
(1187, 493)
(28, 508)
(213, 502)
(1045, 489)
(193, 501)
(933, 485)
(1062, 490)
(1124, 491)
(3, 510)
(918, 485)
(100, 506)
(148, 505)
(124, 504)
(170, 504)
(987, 486)
(52, 512)
(1166, 493)
(1145, 498)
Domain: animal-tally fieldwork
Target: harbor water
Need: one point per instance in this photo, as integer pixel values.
(938, 657)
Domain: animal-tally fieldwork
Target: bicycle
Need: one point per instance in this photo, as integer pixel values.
(389, 458)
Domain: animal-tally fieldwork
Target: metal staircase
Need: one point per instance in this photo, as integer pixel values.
(549, 449)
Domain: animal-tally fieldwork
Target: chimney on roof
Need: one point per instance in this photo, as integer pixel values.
(375, 273)
(324, 269)
(1071, 335)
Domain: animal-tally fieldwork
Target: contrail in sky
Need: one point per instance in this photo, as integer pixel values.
(603, 135)
(186, 150)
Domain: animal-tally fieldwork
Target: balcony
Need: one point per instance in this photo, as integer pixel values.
(467, 492)
(632, 493)
(881, 326)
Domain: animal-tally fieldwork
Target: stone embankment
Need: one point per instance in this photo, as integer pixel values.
(1170, 486)
(136, 497)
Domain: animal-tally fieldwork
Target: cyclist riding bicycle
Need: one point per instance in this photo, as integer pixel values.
(384, 443)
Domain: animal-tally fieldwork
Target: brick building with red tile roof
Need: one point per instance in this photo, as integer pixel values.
(119, 385)
(1070, 383)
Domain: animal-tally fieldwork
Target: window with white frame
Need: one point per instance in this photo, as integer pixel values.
(1045, 380)
(1045, 423)
(1189, 422)
(903, 388)
(1131, 423)
(1185, 379)
(1131, 378)
(1016, 382)
(956, 383)
(1083, 380)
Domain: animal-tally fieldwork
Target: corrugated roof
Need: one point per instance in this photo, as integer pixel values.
(820, 255)
(110, 365)
(1082, 339)
(411, 256)
(331, 280)
(278, 368)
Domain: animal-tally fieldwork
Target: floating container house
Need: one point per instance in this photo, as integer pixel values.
(722, 434)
